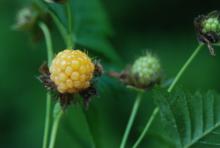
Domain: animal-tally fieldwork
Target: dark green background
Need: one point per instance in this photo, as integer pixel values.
(163, 27)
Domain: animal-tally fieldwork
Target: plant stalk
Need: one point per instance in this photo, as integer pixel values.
(91, 131)
(155, 111)
(70, 25)
(48, 41)
(47, 121)
(173, 84)
(131, 119)
(60, 26)
(55, 128)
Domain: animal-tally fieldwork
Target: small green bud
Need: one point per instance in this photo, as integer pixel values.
(146, 70)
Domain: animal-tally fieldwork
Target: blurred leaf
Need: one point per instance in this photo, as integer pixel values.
(92, 28)
(194, 119)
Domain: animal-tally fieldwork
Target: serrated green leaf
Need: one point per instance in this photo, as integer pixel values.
(193, 119)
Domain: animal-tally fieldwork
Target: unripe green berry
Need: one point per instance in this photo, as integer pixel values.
(146, 70)
(211, 25)
(214, 27)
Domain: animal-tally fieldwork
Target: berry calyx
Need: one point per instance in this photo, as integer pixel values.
(146, 70)
(71, 71)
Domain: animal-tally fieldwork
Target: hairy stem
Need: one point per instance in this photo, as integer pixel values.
(48, 41)
(131, 119)
(156, 110)
(55, 128)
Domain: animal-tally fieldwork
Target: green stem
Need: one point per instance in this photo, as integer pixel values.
(153, 115)
(57, 21)
(70, 25)
(156, 110)
(55, 128)
(48, 41)
(182, 70)
(131, 119)
(47, 120)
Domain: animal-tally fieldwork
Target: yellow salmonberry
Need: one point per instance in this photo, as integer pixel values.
(71, 71)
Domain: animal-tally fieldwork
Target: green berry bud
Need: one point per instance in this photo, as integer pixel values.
(211, 25)
(146, 70)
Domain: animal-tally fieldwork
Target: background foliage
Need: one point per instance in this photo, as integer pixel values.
(164, 27)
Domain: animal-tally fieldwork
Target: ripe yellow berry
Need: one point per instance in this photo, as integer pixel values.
(71, 71)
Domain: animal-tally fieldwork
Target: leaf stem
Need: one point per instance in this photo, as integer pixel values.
(47, 121)
(153, 115)
(184, 67)
(70, 25)
(48, 41)
(131, 119)
(156, 110)
(55, 128)
(56, 19)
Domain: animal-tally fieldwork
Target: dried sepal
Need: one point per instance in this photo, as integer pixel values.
(98, 68)
(65, 99)
(45, 78)
(87, 95)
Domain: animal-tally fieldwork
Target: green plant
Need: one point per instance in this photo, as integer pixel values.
(193, 119)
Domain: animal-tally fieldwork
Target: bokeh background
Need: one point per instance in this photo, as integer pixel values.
(163, 27)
